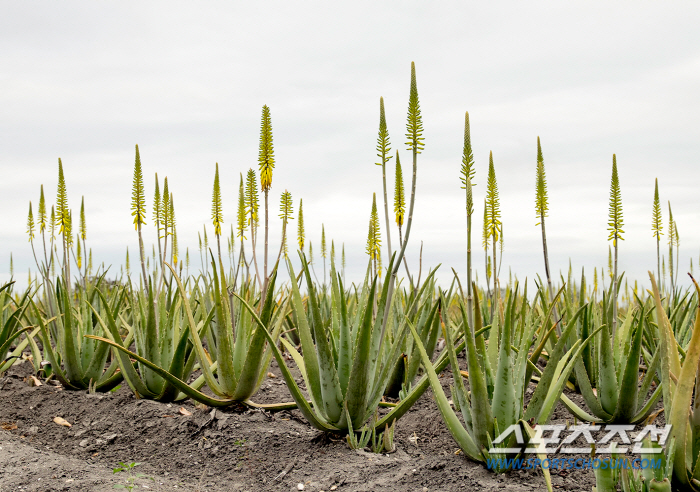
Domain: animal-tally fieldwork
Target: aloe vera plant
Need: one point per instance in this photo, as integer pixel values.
(680, 384)
(345, 368)
(11, 327)
(165, 344)
(496, 400)
(77, 362)
(240, 360)
(619, 397)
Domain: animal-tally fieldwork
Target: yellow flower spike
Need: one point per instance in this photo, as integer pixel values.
(266, 154)
(138, 197)
(30, 223)
(217, 213)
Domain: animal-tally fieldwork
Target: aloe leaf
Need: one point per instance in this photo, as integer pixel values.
(307, 344)
(6, 346)
(228, 379)
(607, 381)
(331, 394)
(178, 383)
(482, 416)
(302, 403)
(649, 377)
(530, 432)
(339, 304)
(132, 378)
(460, 392)
(680, 410)
(648, 407)
(247, 382)
(503, 404)
(586, 390)
(71, 354)
(629, 384)
(356, 398)
(670, 360)
(197, 342)
(416, 392)
(578, 411)
(459, 433)
(543, 387)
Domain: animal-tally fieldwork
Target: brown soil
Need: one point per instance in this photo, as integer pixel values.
(229, 450)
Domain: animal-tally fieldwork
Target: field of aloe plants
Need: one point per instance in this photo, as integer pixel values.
(269, 370)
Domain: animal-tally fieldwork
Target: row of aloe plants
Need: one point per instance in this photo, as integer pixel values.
(354, 347)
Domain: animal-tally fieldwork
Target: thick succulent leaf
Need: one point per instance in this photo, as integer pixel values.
(357, 395)
(459, 433)
(543, 387)
(307, 344)
(178, 383)
(629, 384)
(482, 416)
(607, 379)
(204, 362)
(303, 404)
(680, 410)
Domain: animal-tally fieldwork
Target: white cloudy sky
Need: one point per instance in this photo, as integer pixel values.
(85, 81)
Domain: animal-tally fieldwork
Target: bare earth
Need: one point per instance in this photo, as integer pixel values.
(234, 449)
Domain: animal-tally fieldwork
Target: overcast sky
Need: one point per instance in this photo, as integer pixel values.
(85, 81)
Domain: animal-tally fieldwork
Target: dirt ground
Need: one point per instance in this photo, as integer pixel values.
(226, 450)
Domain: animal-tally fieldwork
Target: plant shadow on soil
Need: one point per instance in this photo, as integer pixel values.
(233, 449)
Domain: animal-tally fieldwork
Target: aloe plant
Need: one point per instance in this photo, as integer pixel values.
(680, 384)
(11, 328)
(77, 362)
(240, 359)
(496, 400)
(619, 397)
(345, 368)
(165, 344)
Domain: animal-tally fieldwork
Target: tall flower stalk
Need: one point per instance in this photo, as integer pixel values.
(165, 222)
(252, 206)
(415, 143)
(541, 211)
(138, 211)
(63, 222)
(672, 242)
(157, 217)
(493, 221)
(615, 224)
(83, 237)
(324, 251)
(286, 211)
(217, 212)
(657, 226)
(41, 221)
(467, 175)
(266, 161)
(374, 241)
(400, 209)
(485, 244)
(300, 226)
(241, 225)
(383, 150)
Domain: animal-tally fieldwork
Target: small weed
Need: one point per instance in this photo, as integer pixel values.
(131, 477)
